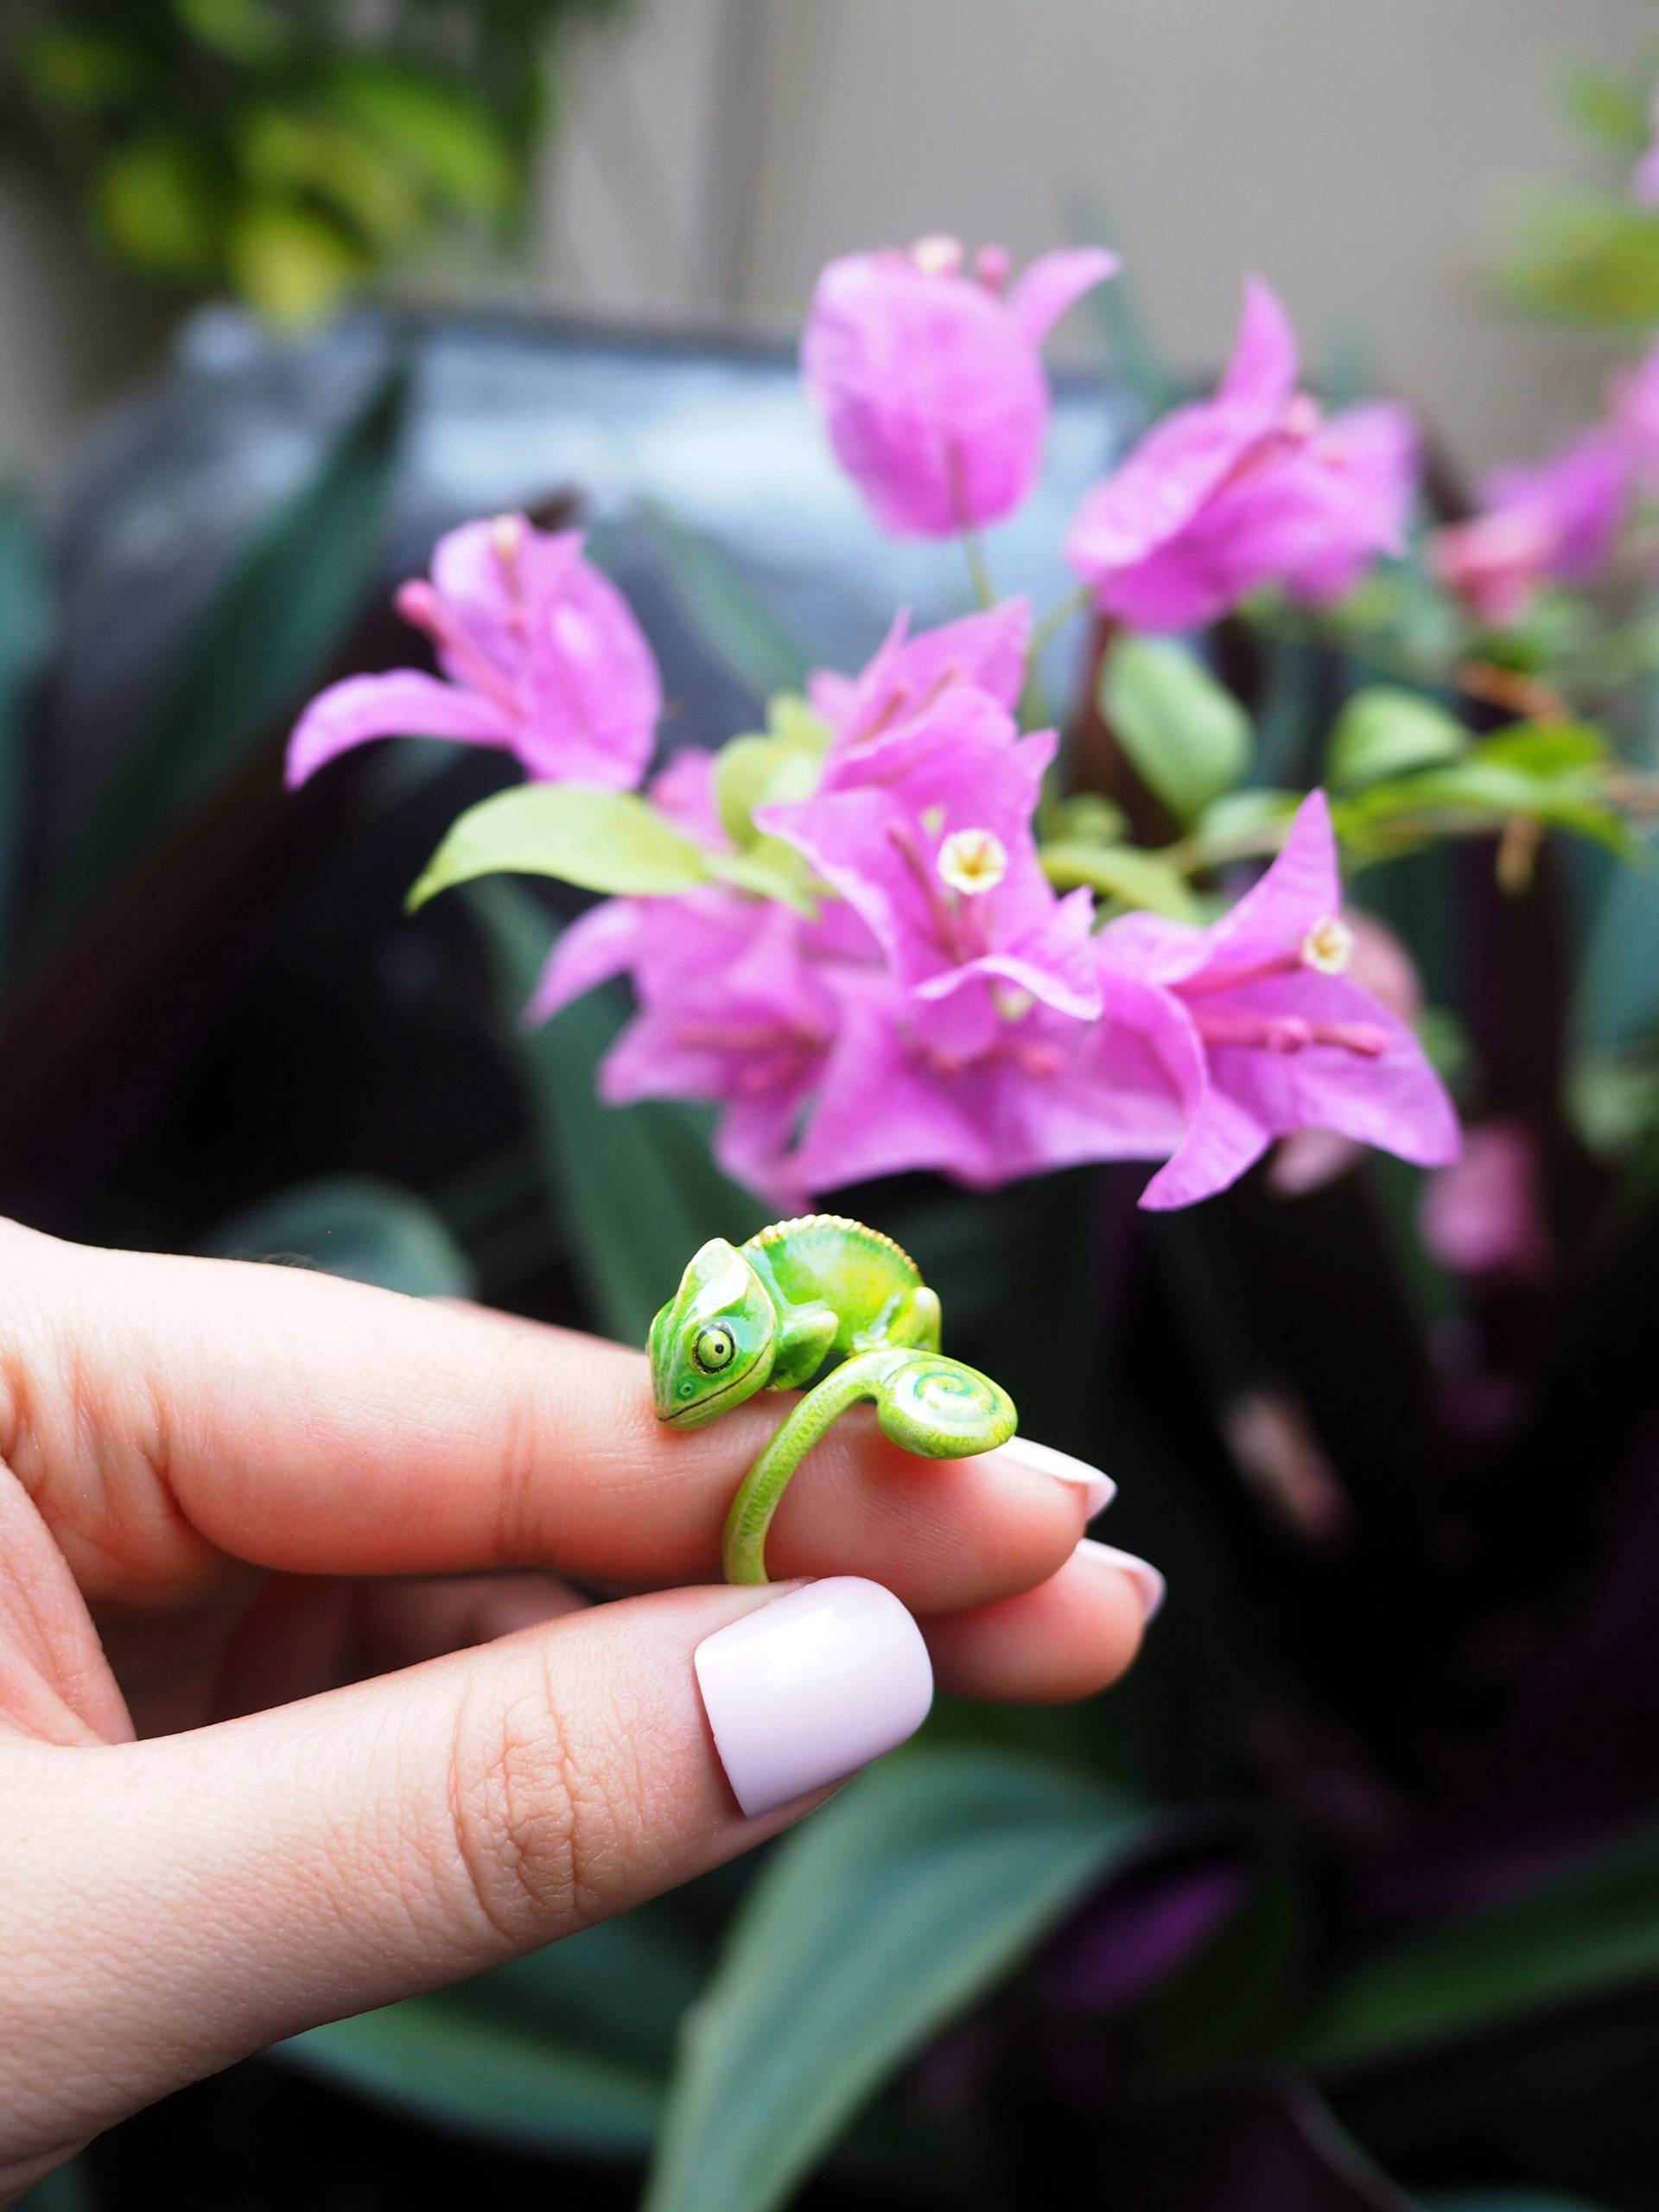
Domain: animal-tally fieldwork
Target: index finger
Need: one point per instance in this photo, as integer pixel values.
(315, 1425)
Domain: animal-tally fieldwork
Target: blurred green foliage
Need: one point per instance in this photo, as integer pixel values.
(286, 150)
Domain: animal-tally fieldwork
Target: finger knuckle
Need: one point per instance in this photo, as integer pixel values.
(537, 1830)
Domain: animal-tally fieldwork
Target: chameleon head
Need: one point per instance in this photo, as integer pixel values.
(713, 1345)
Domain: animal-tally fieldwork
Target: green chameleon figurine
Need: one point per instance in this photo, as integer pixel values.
(765, 1315)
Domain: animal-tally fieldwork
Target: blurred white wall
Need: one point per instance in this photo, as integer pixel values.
(1356, 153)
(714, 152)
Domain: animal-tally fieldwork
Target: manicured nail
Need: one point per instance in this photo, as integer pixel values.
(1149, 1585)
(1098, 1489)
(812, 1686)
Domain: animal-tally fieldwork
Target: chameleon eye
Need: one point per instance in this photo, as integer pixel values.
(713, 1350)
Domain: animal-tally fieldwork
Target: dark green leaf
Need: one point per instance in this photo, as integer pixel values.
(1618, 978)
(249, 31)
(352, 1225)
(1188, 738)
(723, 608)
(25, 634)
(868, 1930)
(81, 68)
(1591, 1932)
(71, 2188)
(634, 1186)
(159, 200)
(601, 841)
(266, 638)
(1384, 731)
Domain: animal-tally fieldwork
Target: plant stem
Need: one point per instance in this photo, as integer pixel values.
(979, 573)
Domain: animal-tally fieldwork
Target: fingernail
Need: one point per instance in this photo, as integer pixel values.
(1149, 1585)
(1098, 1489)
(811, 1687)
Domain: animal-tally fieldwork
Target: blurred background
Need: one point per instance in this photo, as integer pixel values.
(1349, 1902)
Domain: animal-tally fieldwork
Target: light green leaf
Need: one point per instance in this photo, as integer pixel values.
(1591, 1932)
(290, 261)
(1609, 109)
(1188, 738)
(267, 635)
(1243, 825)
(1588, 256)
(438, 131)
(635, 1186)
(868, 1929)
(1384, 731)
(1128, 873)
(358, 1226)
(722, 605)
(601, 840)
(782, 764)
(770, 869)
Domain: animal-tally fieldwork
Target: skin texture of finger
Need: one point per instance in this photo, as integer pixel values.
(170, 1415)
(1075, 1634)
(187, 1901)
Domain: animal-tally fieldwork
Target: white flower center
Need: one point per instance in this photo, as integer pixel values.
(938, 255)
(1329, 945)
(972, 862)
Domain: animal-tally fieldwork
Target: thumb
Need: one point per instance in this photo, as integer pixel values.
(189, 1900)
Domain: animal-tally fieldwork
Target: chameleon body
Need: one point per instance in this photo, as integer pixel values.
(769, 1313)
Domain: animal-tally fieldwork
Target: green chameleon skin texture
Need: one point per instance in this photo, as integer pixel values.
(768, 1314)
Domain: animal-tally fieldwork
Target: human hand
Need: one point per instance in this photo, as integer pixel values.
(295, 1718)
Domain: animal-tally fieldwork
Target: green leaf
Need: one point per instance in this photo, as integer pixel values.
(1608, 109)
(782, 764)
(439, 131)
(71, 2188)
(635, 1186)
(741, 633)
(868, 1929)
(568, 2050)
(601, 840)
(247, 31)
(1518, 2198)
(1128, 873)
(1588, 258)
(290, 261)
(1542, 773)
(266, 637)
(1619, 976)
(25, 635)
(287, 155)
(358, 1226)
(159, 200)
(1593, 1931)
(1384, 731)
(1187, 735)
(81, 68)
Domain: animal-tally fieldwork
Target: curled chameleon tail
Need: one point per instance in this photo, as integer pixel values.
(770, 1313)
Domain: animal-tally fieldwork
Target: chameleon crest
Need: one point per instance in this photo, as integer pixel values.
(713, 1345)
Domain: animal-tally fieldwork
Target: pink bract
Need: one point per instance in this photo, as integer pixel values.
(1248, 489)
(930, 379)
(541, 657)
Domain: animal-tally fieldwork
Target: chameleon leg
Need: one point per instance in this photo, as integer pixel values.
(930, 1405)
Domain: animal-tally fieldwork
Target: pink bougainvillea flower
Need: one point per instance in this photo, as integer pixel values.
(1251, 488)
(732, 1008)
(1378, 964)
(930, 378)
(929, 840)
(987, 650)
(1044, 1092)
(1555, 522)
(1481, 1215)
(1262, 1031)
(541, 657)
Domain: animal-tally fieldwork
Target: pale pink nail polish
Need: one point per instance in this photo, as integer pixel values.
(1149, 1585)
(1098, 1489)
(810, 1688)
